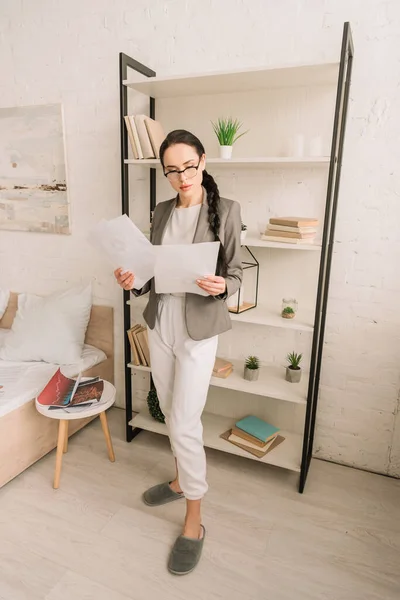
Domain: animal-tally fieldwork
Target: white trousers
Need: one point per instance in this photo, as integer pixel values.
(182, 369)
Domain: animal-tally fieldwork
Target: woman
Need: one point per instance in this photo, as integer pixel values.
(184, 328)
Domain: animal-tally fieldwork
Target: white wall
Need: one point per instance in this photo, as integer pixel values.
(54, 51)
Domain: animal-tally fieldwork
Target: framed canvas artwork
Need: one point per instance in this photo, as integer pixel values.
(33, 184)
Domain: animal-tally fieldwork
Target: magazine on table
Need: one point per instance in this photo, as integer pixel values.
(63, 392)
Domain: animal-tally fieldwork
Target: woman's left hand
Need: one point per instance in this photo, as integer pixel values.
(212, 284)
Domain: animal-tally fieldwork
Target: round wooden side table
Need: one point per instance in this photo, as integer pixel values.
(107, 400)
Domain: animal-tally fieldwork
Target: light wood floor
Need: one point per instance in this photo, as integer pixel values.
(94, 539)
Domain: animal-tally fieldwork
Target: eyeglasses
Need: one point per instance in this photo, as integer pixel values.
(189, 172)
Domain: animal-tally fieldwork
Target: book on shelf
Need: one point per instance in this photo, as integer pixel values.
(145, 135)
(294, 221)
(65, 392)
(138, 339)
(250, 438)
(156, 134)
(145, 143)
(222, 368)
(133, 137)
(285, 240)
(245, 442)
(223, 374)
(258, 429)
(221, 365)
(258, 452)
(293, 229)
(143, 340)
(289, 234)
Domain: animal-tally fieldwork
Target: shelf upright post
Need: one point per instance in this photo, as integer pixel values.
(126, 61)
(339, 128)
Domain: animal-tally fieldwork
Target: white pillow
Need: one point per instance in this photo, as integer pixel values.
(50, 329)
(4, 298)
(91, 357)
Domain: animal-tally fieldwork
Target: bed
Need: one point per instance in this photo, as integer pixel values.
(25, 435)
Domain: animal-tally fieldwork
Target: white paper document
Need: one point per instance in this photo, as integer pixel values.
(125, 246)
(178, 266)
(175, 268)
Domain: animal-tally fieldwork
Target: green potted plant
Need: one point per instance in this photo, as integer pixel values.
(251, 368)
(289, 308)
(243, 233)
(227, 132)
(293, 370)
(154, 406)
(288, 313)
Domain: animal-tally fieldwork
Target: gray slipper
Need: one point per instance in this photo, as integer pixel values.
(185, 554)
(160, 494)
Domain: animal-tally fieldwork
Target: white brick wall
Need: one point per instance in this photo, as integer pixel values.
(55, 51)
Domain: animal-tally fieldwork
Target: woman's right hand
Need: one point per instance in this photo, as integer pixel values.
(125, 279)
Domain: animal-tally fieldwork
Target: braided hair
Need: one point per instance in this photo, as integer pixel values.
(181, 136)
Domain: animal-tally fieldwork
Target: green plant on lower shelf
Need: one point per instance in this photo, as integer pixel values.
(227, 130)
(244, 227)
(154, 406)
(252, 363)
(294, 360)
(288, 311)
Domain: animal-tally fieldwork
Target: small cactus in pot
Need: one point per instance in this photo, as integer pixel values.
(251, 368)
(293, 370)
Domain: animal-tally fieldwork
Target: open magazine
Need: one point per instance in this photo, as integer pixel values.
(64, 392)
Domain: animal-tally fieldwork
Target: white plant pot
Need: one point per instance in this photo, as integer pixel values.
(225, 152)
(243, 237)
(293, 375)
(251, 374)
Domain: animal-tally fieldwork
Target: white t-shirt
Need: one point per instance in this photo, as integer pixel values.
(182, 227)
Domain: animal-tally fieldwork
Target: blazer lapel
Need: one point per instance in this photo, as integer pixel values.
(159, 230)
(202, 223)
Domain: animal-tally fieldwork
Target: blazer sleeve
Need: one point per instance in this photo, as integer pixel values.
(233, 252)
(146, 288)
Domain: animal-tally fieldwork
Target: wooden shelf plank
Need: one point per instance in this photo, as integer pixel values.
(226, 82)
(271, 383)
(287, 455)
(261, 315)
(139, 367)
(255, 242)
(256, 162)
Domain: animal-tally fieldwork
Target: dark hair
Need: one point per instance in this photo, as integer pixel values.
(181, 136)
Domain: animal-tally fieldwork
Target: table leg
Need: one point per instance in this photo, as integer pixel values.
(106, 431)
(62, 432)
(66, 438)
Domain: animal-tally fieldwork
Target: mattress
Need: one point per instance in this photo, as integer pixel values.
(22, 381)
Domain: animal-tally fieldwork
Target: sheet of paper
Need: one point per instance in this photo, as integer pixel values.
(178, 266)
(124, 245)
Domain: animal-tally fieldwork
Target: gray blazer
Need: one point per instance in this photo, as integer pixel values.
(206, 316)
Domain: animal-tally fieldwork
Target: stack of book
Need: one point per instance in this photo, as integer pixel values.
(145, 135)
(139, 342)
(222, 368)
(291, 230)
(255, 436)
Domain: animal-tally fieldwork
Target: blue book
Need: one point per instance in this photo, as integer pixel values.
(257, 428)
